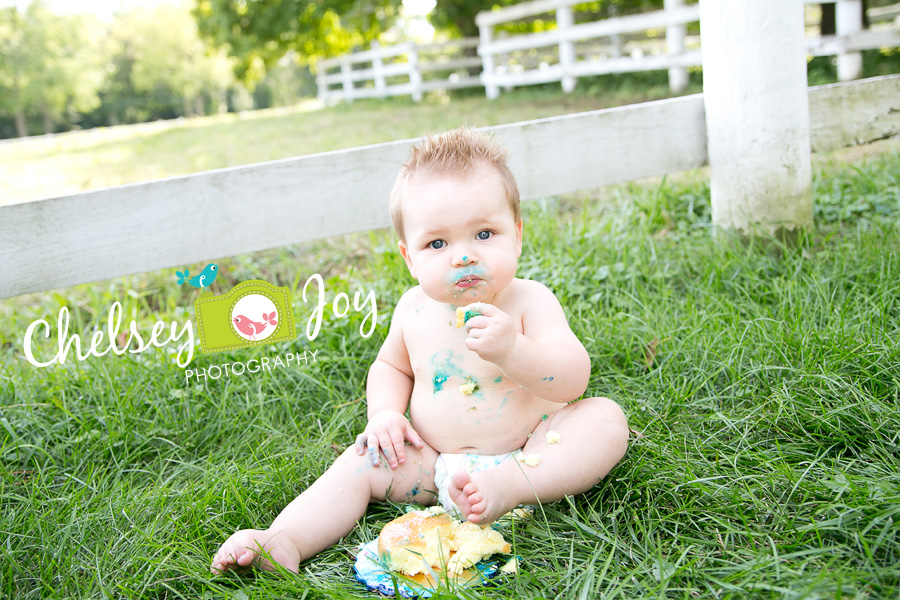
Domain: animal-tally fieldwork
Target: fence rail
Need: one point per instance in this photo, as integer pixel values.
(415, 69)
(621, 44)
(183, 220)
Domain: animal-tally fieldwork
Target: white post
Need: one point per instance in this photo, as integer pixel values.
(848, 21)
(678, 76)
(321, 86)
(415, 76)
(757, 115)
(346, 79)
(378, 69)
(615, 39)
(565, 19)
(486, 35)
(502, 63)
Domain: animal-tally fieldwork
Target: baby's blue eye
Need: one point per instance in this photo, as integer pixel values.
(483, 235)
(437, 244)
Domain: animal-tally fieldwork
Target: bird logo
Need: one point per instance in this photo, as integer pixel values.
(203, 280)
(250, 329)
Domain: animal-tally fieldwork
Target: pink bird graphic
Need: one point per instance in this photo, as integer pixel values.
(251, 328)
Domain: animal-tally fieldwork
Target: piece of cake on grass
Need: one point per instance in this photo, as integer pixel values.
(431, 540)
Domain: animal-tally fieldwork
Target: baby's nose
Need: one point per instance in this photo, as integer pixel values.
(465, 260)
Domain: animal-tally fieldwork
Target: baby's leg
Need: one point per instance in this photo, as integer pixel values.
(329, 509)
(593, 436)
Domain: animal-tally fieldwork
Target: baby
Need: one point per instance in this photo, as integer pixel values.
(492, 423)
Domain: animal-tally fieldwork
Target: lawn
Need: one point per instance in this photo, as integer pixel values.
(760, 382)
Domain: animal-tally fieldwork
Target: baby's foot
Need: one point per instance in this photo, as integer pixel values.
(480, 498)
(243, 549)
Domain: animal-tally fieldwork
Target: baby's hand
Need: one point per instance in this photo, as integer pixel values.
(492, 334)
(387, 430)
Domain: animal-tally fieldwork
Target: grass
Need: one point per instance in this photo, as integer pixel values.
(761, 383)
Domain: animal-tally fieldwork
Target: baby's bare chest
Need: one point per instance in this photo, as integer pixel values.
(438, 354)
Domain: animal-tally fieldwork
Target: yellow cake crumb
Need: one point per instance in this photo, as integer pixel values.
(532, 460)
(510, 567)
(468, 388)
(553, 437)
(463, 314)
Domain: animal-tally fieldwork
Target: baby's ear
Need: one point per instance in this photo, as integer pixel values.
(404, 252)
(519, 226)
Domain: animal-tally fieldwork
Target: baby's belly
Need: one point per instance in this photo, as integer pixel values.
(488, 421)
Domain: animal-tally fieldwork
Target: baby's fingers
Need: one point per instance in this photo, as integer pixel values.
(372, 447)
(393, 448)
(361, 444)
(413, 437)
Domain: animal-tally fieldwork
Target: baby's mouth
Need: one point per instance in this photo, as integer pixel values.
(468, 281)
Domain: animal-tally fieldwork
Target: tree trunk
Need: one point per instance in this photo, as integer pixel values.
(21, 127)
(47, 120)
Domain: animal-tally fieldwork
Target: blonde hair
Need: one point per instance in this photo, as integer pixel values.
(456, 151)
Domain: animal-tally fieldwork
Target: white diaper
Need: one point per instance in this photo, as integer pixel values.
(447, 464)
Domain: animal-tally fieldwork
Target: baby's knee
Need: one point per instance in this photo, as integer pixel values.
(412, 480)
(608, 417)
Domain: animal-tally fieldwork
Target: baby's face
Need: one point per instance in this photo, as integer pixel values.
(462, 242)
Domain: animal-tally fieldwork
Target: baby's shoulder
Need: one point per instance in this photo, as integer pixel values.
(411, 299)
(527, 292)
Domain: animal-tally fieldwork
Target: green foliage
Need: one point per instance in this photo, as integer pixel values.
(457, 17)
(258, 34)
(49, 65)
(59, 72)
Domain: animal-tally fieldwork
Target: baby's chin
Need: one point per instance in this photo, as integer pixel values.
(459, 297)
(466, 296)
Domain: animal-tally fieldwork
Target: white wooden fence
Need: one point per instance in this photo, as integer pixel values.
(404, 69)
(192, 219)
(643, 42)
(503, 58)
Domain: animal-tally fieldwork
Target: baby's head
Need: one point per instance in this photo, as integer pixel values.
(455, 206)
(457, 152)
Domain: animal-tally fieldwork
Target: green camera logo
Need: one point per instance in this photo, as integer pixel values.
(252, 313)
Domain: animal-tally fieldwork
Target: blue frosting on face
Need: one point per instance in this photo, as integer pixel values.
(458, 274)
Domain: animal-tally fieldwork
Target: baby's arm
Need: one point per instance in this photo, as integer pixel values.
(388, 389)
(548, 360)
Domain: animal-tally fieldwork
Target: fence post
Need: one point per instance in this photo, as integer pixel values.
(565, 19)
(415, 76)
(848, 17)
(378, 68)
(346, 79)
(615, 39)
(678, 76)
(486, 35)
(757, 115)
(321, 86)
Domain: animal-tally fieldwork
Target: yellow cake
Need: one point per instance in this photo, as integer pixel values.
(463, 314)
(430, 539)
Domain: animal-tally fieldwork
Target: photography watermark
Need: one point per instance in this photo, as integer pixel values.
(263, 364)
(252, 313)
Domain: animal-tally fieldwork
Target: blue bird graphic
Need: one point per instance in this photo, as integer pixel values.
(203, 280)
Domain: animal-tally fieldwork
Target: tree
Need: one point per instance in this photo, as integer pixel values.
(50, 65)
(257, 34)
(168, 53)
